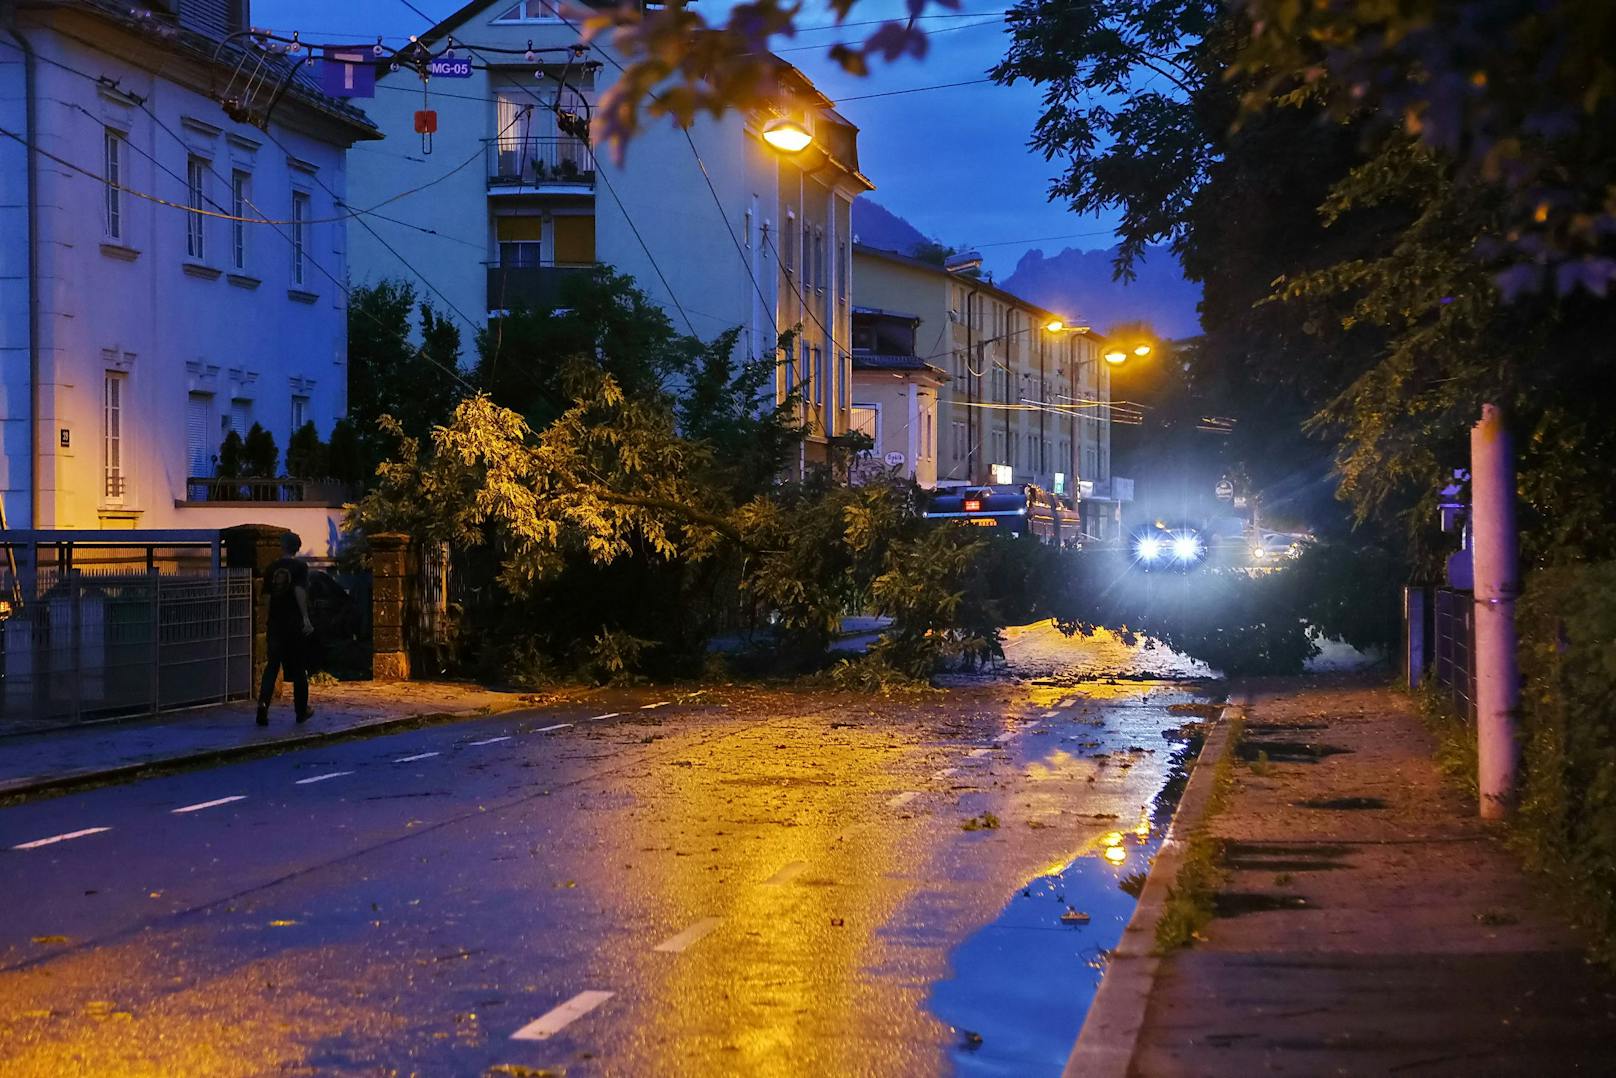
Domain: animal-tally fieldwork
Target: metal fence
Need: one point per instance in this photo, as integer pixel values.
(80, 644)
(1452, 667)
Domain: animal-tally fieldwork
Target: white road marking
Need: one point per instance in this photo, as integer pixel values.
(901, 799)
(1052, 713)
(322, 778)
(489, 740)
(38, 842)
(549, 1024)
(977, 754)
(608, 715)
(557, 726)
(786, 874)
(653, 707)
(417, 756)
(945, 772)
(1006, 736)
(215, 803)
(683, 941)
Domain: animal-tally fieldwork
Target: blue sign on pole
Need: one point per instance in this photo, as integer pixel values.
(442, 68)
(348, 71)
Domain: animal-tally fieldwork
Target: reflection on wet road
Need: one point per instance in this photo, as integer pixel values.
(753, 882)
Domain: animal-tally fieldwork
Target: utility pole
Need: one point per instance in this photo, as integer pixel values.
(1493, 548)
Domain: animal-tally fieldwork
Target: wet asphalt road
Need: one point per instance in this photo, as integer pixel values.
(743, 883)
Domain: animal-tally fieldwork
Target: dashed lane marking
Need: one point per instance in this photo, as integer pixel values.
(552, 1022)
(38, 842)
(682, 942)
(557, 726)
(945, 772)
(417, 756)
(787, 873)
(901, 799)
(608, 715)
(322, 778)
(1006, 736)
(215, 803)
(490, 740)
(1052, 713)
(977, 754)
(653, 707)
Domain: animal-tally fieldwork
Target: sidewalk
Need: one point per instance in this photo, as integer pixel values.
(66, 756)
(1369, 923)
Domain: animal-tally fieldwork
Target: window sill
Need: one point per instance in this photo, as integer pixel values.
(201, 270)
(118, 512)
(301, 296)
(119, 251)
(241, 280)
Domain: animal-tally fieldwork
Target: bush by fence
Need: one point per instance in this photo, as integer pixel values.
(1568, 808)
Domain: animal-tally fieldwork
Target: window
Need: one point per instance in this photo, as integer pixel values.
(807, 256)
(112, 400)
(805, 357)
(843, 272)
(573, 236)
(530, 11)
(519, 243)
(844, 377)
(746, 230)
(819, 375)
(959, 440)
(196, 172)
(866, 420)
(112, 169)
(300, 412)
(241, 416)
(998, 445)
(819, 259)
(240, 198)
(198, 427)
(788, 235)
(300, 236)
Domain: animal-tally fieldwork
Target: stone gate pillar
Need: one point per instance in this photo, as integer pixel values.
(392, 584)
(255, 547)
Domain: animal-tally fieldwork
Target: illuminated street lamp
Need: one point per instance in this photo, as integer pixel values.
(787, 136)
(1116, 357)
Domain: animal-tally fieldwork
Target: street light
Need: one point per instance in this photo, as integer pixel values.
(1116, 357)
(787, 136)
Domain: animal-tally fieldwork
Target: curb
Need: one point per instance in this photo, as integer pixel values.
(22, 789)
(1110, 1033)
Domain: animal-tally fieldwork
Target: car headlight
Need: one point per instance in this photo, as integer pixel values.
(1148, 548)
(1256, 552)
(1186, 548)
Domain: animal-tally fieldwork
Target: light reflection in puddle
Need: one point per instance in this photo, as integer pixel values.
(1023, 983)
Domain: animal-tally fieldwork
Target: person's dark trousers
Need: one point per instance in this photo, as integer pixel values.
(286, 653)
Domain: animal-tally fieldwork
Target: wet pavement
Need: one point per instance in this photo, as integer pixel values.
(748, 882)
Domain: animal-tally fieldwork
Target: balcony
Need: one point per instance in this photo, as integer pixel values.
(529, 287)
(526, 165)
(214, 490)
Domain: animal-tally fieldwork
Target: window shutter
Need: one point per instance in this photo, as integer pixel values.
(198, 453)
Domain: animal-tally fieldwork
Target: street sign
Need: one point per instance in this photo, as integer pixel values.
(1240, 502)
(1224, 490)
(894, 460)
(348, 71)
(449, 69)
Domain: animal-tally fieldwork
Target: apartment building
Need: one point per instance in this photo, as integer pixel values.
(1023, 403)
(169, 274)
(715, 224)
(895, 394)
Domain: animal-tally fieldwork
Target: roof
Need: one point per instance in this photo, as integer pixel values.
(198, 46)
(986, 287)
(875, 361)
(877, 312)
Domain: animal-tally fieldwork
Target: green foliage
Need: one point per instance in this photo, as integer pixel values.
(1568, 806)
(345, 456)
(389, 374)
(307, 457)
(230, 456)
(259, 456)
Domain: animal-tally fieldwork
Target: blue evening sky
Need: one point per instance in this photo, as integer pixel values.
(954, 162)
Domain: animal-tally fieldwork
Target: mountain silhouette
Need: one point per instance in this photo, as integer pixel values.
(1079, 285)
(876, 226)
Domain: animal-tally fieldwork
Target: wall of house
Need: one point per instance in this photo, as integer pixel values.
(14, 382)
(134, 305)
(907, 414)
(923, 292)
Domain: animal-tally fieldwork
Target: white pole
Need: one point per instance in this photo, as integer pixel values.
(1492, 486)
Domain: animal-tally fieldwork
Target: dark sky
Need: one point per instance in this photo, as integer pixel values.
(954, 162)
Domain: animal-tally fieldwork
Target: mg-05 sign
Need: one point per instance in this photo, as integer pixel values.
(444, 68)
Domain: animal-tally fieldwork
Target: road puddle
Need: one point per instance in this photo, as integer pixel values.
(1022, 984)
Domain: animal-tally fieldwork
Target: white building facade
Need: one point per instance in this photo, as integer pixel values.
(168, 273)
(717, 227)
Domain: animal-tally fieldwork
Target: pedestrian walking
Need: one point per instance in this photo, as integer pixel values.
(289, 629)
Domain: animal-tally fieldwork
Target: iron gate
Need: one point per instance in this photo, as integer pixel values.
(1452, 667)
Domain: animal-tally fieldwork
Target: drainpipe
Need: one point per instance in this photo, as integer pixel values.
(31, 108)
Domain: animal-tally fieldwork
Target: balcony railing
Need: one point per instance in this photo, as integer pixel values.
(328, 492)
(539, 162)
(530, 287)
